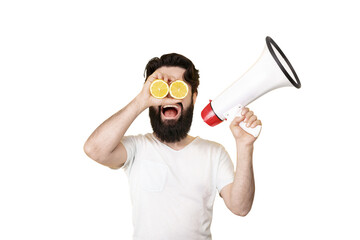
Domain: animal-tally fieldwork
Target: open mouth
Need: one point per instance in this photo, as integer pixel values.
(171, 112)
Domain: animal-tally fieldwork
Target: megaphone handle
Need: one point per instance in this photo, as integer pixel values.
(236, 112)
(253, 131)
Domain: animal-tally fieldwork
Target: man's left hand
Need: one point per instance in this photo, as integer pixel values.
(251, 121)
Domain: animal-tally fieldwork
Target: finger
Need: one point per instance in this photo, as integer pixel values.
(166, 78)
(154, 76)
(250, 121)
(170, 79)
(158, 75)
(248, 115)
(244, 110)
(256, 123)
(170, 101)
(236, 121)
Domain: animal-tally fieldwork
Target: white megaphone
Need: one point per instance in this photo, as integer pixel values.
(272, 70)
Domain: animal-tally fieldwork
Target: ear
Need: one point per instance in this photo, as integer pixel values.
(194, 96)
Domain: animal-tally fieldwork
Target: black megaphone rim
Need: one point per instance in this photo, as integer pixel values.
(270, 43)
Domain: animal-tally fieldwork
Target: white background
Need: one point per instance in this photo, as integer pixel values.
(66, 66)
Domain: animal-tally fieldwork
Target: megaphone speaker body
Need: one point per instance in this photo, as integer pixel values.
(272, 70)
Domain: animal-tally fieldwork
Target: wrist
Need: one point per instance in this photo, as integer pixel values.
(244, 154)
(244, 144)
(140, 103)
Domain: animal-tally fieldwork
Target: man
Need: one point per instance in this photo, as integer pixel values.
(173, 176)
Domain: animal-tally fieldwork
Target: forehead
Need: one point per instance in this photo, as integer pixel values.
(175, 72)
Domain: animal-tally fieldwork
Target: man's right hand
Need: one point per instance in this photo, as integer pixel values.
(147, 100)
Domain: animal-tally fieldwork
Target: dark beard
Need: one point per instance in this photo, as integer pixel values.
(171, 131)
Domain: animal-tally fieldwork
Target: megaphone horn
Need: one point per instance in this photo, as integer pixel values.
(272, 70)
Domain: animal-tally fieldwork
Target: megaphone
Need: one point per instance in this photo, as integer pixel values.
(272, 70)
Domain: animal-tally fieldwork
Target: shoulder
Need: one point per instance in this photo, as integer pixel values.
(140, 136)
(210, 145)
(137, 139)
(213, 150)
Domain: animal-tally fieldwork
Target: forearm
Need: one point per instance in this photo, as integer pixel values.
(108, 135)
(243, 187)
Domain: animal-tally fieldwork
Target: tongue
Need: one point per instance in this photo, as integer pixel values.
(170, 112)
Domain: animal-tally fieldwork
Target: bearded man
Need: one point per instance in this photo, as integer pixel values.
(174, 177)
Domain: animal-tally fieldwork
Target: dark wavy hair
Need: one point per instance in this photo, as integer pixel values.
(191, 74)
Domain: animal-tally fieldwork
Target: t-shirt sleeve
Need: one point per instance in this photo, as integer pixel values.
(225, 173)
(129, 143)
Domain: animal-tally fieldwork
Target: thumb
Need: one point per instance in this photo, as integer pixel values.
(237, 120)
(170, 101)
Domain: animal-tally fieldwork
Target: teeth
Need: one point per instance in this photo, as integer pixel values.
(174, 106)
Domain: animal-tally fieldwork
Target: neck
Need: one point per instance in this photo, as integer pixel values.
(180, 144)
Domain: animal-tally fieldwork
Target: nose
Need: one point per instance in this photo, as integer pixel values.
(169, 80)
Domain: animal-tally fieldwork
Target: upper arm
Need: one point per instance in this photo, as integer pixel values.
(225, 193)
(225, 176)
(116, 159)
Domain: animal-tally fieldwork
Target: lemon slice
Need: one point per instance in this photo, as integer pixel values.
(179, 89)
(159, 88)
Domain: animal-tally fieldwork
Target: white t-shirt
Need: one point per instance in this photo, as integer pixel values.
(173, 192)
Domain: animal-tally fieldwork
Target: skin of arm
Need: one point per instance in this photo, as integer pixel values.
(239, 195)
(104, 144)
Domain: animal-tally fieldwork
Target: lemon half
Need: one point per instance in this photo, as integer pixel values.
(179, 89)
(159, 88)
